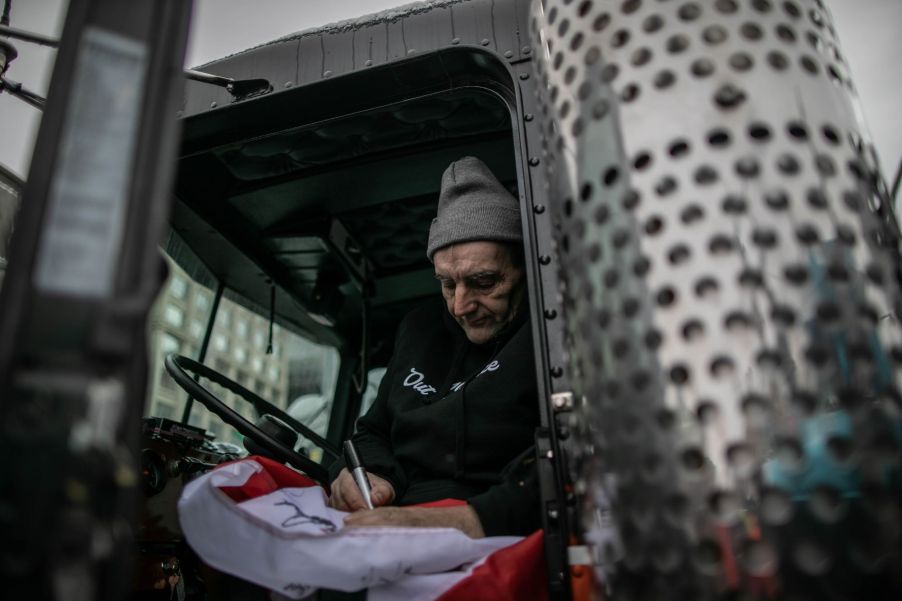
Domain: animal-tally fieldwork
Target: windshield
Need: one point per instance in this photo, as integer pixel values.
(280, 366)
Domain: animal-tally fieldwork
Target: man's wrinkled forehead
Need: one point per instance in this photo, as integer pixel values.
(473, 257)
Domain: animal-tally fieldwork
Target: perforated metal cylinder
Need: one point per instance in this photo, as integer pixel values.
(730, 278)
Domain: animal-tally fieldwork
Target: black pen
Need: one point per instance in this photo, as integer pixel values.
(355, 466)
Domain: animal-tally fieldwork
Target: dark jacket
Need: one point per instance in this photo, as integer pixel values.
(457, 420)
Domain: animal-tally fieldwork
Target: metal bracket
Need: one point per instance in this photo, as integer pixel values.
(562, 401)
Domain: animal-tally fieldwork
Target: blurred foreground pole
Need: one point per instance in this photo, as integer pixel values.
(83, 271)
(730, 270)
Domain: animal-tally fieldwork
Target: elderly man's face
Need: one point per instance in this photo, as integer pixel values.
(481, 285)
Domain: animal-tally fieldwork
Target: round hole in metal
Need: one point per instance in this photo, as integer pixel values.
(788, 164)
(640, 57)
(563, 27)
(783, 315)
(609, 72)
(642, 161)
(610, 176)
(719, 138)
(600, 109)
(678, 148)
(777, 200)
(664, 79)
(620, 38)
(720, 244)
(601, 21)
(654, 225)
(734, 205)
(706, 287)
(601, 214)
(652, 23)
(809, 64)
(666, 186)
(679, 375)
(630, 92)
(727, 7)
(792, 9)
(631, 200)
(741, 61)
(759, 132)
(807, 234)
(714, 34)
(786, 33)
(630, 6)
(678, 254)
(706, 175)
(751, 31)
(747, 167)
(677, 43)
(797, 130)
(689, 11)
(666, 296)
(761, 5)
(577, 41)
(692, 214)
(693, 329)
(702, 67)
(777, 60)
(824, 165)
(830, 134)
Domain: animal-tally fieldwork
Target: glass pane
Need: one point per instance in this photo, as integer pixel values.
(202, 300)
(10, 191)
(220, 342)
(241, 328)
(172, 314)
(197, 329)
(373, 379)
(178, 286)
(298, 376)
(312, 372)
(167, 334)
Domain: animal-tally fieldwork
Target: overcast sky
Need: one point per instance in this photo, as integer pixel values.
(869, 31)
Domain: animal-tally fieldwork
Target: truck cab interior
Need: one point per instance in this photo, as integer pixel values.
(312, 210)
(297, 243)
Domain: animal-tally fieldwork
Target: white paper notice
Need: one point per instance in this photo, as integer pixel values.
(79, 250)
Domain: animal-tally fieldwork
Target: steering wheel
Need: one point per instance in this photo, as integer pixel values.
(179, 367)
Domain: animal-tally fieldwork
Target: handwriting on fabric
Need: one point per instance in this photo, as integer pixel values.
(300, 518)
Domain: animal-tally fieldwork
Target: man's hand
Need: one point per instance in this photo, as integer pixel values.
(463, 518)
(346, 496)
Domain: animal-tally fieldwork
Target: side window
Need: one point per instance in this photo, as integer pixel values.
(177, 323)
(312, 373)
(374, 378)
(293, 373)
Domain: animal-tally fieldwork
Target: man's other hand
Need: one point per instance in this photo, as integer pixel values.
(346, 496)
(463, 518)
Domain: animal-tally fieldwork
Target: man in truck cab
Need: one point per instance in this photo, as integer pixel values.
(456, 412)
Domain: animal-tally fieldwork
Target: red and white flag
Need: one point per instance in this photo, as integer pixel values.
(265, 523)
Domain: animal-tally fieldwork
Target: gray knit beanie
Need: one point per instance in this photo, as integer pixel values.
(473, 205)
